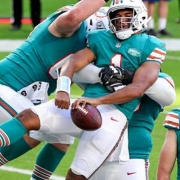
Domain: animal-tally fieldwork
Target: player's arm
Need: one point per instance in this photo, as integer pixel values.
(144, 77)
(89, 74)
(79, 60)
(69, 22)
(167, 156)
(162, 91)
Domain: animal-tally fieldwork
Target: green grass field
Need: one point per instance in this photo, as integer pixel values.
(171, 66)
(48, 6)
(27, 161)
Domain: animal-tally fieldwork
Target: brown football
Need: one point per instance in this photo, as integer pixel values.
(87, 118)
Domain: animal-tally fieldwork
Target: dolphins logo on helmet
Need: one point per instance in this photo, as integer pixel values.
(98, 20)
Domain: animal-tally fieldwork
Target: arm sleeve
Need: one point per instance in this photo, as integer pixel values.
(162, 91)
(89, 74)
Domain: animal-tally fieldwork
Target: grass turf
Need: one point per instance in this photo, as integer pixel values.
(171, 66)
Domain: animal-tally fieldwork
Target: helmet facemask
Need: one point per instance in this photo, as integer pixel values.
(135, 22)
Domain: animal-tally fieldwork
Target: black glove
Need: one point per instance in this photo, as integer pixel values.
(128, 76)
(113, 78)
(113, 87)
(111, 74)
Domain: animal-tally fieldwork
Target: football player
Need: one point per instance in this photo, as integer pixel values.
(169, 155)
(161, 93)
(119, 47)
(29, 74)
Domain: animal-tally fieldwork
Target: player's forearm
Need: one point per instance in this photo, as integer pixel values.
(164, 172)
(163, 176)
(81, 12)
(68, 22)
(124, 95)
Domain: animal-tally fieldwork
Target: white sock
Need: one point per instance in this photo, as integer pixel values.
(162, 23)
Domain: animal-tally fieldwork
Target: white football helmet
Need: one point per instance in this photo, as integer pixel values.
(98, 20)
(138, 23)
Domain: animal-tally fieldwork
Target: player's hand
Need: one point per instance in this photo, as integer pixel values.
(113, 87)
(114, 78)
(111, 74)
(128, 76)
(83, 101)
(62, 100)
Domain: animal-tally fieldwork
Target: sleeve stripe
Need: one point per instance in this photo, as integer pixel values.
(158, 55)
(172, 120)
(159, 60)
(159, 51)
(171, 124)
(172, 115)
(4, 139)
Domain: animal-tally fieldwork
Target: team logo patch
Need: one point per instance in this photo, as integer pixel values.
(134, 52)
(100, 25)
(118, 45)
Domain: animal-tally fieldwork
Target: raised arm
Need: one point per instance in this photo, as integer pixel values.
(68, 22)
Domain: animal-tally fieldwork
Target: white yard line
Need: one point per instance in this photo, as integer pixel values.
(173, 58)
(172, 44)
(28, 172)
(8, 45)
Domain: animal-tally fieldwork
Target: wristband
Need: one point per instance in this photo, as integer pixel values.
(63, 84)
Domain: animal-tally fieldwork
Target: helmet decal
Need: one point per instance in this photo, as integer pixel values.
(98, 20)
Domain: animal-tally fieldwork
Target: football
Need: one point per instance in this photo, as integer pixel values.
(87, 118)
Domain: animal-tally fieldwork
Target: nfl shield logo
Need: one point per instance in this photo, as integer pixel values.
(118, 45)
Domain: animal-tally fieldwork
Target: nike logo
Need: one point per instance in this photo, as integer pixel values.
(130, 173)
(114, 119)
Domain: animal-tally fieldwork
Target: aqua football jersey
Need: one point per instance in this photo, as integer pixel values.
(141, 125)
(140, 128)
(172, 121)
(38, 57)
(130, 53)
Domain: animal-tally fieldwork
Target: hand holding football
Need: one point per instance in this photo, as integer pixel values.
(87, 118)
